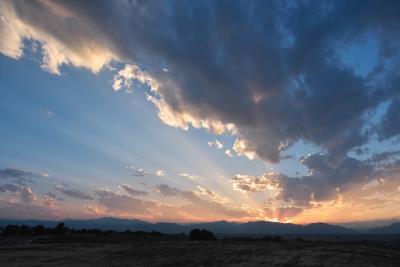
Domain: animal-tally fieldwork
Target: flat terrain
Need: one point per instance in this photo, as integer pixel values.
(120, 251)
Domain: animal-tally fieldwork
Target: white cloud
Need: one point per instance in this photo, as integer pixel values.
(248, 183)
(139, 172)
(214, 196)
(189, 176)
(128, 74)
(228, 153)
(160, 173)
(241, 147)
(75, 48)
(216, 144)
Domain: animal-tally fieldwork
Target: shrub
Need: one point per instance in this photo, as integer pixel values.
(39, 230)
(11, 230)
(266, 238)
(277, 238)
(203, 234)
(61, 229)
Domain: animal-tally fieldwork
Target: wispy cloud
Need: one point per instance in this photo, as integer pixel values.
(47, 113)
(25, 193)
(189, 176)
(138, 172)
(131, 191)
(72, 192)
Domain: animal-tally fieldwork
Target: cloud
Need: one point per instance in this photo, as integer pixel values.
(44, 174)
(268, 73)
(47, 113)
(64, 38)
(189, 176)
(216, 144)
(133, 192)
(204, 209)
(138, 172)
(129, 73)
(123, 203)
(327, 182)
(50, 200)
(72, 192)
(214, 196)
(15, 173)
(248, 183)
(25, 193)
(228, 153)
(21, 176)
(282, 213)
(270, 86)
(159, 173)
(389, 126)
(16, 210)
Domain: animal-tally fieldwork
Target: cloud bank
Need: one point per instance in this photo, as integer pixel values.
(270, 73)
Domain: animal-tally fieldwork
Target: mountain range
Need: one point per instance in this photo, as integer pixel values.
(218, 227)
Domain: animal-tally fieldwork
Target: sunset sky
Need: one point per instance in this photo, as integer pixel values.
(189, 111)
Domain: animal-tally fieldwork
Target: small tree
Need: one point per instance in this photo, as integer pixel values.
(204, 235)
(61, 229)
(11, 230)
(39, 230)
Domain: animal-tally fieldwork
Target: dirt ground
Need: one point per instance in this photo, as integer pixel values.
(195, 253)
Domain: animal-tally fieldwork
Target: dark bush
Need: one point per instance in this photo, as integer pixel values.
(203, 234)
(277, 238)
(39, 230)
(11, 230)
(266, 238)
(299, 239)
(25, 230)
(61, 229)
(155, 233)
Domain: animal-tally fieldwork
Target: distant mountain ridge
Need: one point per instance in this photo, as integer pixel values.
(392, 229)
(218, 227)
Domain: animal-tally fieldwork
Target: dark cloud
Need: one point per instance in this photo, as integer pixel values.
(390, 126)
(15, 173)
(19, 175)
(133, 192)
(25, 193)
(324, 182)
(72, 192)
(270, 68)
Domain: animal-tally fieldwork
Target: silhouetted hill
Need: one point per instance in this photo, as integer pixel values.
(45, 223)
(106, 223)
(219, 227)
(327, 229)
(392, 229)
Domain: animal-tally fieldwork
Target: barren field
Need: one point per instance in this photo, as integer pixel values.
(179, 252)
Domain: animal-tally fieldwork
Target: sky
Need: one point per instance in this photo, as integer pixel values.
(192, 111)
